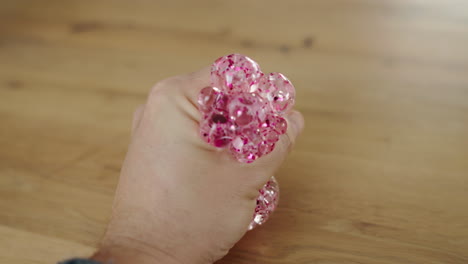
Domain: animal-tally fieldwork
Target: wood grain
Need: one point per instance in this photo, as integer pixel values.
(380, 174)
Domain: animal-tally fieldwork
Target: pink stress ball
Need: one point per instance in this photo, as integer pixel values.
(243, 112)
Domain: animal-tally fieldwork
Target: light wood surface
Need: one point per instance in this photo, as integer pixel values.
(379, 176)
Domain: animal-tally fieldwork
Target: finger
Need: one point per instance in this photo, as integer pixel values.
(137, 114)
(190, 83)
(295, 126)
(194, 82)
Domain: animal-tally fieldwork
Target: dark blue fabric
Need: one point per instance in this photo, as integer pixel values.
(79, 261)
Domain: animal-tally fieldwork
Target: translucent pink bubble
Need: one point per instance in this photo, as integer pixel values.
(206, 98)
(270, 135)
(240, 113)
(220, 102)
(279, 124)
(245, 146)
(278, 91)
(274, 122)
(244, 109)
(217, 130)
(243, 150)
(234, 73)
(266, 147)
(267, 201)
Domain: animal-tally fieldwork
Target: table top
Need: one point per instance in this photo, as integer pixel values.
(380, 174)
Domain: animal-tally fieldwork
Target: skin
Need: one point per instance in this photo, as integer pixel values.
(180, 200)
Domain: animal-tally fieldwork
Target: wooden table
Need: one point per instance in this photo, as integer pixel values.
(380, 174)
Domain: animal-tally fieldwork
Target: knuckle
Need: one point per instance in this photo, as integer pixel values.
(165, 84)
(162, 88)
(137, 112)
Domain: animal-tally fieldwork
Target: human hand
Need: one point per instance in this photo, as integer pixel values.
(179, 199)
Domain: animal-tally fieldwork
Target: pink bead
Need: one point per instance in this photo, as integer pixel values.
(267, 201)
(234, 73)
